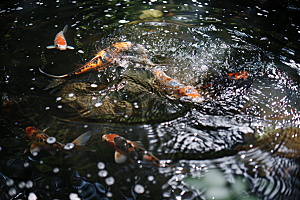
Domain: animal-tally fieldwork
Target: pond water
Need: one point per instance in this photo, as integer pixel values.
(241, 142)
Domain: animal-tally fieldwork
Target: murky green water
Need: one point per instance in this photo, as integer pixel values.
(241, 142)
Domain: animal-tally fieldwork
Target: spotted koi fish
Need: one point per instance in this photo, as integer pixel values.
(178, 88)
(40, 140)
(60, 41)
(127, 149)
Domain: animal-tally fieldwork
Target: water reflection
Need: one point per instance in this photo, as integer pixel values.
(241, 142)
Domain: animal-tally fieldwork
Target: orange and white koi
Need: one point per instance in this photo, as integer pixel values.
(40, 140)
(60, 41)
(178, 88)
(102, 59)
(127, 149)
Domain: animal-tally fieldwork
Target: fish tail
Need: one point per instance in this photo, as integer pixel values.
(65, 28)
(81, 141)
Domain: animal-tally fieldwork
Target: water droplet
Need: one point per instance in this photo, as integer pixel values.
(98, 104)
(150, 178)
(139, 189)
(109, 194)
(58, 98)
(102, 173)
(74, 196)
(35, 153)
(93, 85)
(9, 182)
(80, 51)
(56, 170)
(21, 184)
(32, 196)
(71, 95)
(51, 140)
(47, 108)
(12, 191)
(29, 184)
(109, 180)
(69, 146)
(101, 165)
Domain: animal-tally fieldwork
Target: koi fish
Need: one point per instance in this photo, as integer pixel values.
(180, 90)
(40, 140)
(239, 75)
(60, 41)
(102, 59)
(127, 149)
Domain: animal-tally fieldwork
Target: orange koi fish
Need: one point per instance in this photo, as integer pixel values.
(60, 41)
(180, 90)
(126, 149)
(239, 75)
(40, 140)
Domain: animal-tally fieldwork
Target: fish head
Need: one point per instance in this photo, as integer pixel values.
(30, 131)
(109, 139)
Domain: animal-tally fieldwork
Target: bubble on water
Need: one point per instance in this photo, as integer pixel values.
(71, 95)
(69, 146)
(102, 173)
(29, 184)
(9, 182)
(35, 153)
(0, 148)
(47, 108)
(139, 189)
(58, 98)
(150, 178)
(123, 21)
(56, 170)
(32, 88)
(59, 106)
(101, 165)
(12, 191)
(51, 140)
(41, 162)
(32, 196)
(80, 51)
(74, 196)
(110, 180)
(21, 184)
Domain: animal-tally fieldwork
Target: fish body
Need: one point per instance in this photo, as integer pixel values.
(60, 41)
(179, 89)
(127, 149)
(101, 60)
(40, 140)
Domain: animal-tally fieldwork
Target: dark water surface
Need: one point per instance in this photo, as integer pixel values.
(241, 142)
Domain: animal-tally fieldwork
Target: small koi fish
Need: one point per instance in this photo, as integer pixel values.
(102, 59)
(127, 149)
(40, 140)
(60, 41)
(239, 75)
(180, 90)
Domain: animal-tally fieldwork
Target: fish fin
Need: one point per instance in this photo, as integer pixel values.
(65, 28)
(53, 76)
(51, 47)
(81, 141)
(34, 148)
(120, 158)
(138, 144)
(70, 47)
